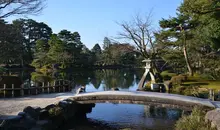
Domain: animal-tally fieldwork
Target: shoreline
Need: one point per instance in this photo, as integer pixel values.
(12, 106)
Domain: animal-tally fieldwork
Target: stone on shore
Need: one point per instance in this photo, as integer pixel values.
(44, 114)
(33, 112)
(214, 117)
(115, 89)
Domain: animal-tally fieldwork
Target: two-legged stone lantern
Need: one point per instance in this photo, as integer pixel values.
(148, 69)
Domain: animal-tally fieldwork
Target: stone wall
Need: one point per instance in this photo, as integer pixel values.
(50, 117)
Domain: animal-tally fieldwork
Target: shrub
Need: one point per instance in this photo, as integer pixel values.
(46, 69)
(166, 75)
(147, 86)
(55, 111)
(39, 77)
(2, 69)
(203, 76)
(178, 79)
(195, 91)
(194, 121)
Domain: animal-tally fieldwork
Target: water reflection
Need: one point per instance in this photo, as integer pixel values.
(95, 80)
(103, 80)
(121, 116)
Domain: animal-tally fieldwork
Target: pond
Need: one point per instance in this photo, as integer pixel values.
(116, 116)
(127, 116)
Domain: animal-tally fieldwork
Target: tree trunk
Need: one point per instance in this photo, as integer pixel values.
(189, 67)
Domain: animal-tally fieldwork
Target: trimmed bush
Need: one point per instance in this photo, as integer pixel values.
(176, 80)
(195, 121)
(167, 75)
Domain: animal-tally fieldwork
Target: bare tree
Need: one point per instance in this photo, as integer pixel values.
(20, 7)
(139, 31)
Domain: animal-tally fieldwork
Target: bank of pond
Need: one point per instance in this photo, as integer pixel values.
(111, 116)
(68, 114)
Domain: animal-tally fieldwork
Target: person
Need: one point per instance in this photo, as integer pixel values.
(81, 90)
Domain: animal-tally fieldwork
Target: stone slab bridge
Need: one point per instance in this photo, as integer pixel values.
(148, 98)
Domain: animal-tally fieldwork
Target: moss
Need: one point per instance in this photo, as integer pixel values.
(167, 75)
(55, 111)
(194, 121)
(147, 86)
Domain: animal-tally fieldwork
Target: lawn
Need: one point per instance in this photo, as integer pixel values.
(197, 81)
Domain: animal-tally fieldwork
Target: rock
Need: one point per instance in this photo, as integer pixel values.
(138, 89)
(30, 119)
(21, 121)
(33, 112)
(27, 122)
(44, 114)
(42, 122)
(8, 122)
(63, 104)
(37, 109)
(69, 101)
(22, 114)
(214, 117)
(49, 107)
(115, 89)
(58, 120)
(10, 118)
(45, 124)
(36, 128)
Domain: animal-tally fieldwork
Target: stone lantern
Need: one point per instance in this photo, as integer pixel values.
(147, 70)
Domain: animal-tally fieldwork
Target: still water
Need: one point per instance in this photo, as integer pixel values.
(116, 116)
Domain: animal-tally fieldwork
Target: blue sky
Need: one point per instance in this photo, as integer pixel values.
(95, 19)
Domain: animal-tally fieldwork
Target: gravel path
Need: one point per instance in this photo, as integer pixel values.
(12, 106)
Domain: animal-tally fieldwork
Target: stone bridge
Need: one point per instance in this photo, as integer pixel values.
(138, 97)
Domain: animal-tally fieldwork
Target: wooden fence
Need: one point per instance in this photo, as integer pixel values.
(62, 86)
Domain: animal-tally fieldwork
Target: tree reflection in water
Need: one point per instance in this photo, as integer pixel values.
(104, 78)
(100, 79)
(162, 112)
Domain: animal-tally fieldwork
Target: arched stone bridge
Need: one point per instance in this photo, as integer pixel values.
(138, 97)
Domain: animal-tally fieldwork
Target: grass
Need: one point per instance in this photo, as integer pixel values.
(197, 86)
(194, 121)
(204, 83)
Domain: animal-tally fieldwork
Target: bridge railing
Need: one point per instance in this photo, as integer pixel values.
(11, 91)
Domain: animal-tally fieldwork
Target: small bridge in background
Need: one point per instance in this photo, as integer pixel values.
(138, 97)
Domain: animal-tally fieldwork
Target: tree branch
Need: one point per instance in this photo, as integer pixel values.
(21, 7)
